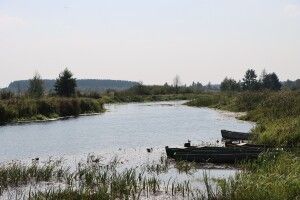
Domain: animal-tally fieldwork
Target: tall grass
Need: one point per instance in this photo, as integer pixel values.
(16, 174)
(267, 178)
(278, 124)
(90, 180)
(18, 109)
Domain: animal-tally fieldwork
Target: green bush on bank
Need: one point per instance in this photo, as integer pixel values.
(41, 109)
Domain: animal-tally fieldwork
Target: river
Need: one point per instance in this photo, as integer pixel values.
(124, 127)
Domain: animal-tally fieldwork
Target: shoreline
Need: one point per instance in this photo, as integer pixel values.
(20, 122)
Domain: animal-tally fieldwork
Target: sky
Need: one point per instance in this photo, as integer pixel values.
(149, 41)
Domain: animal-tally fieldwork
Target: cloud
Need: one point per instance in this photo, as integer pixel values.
(7, 21)
(292, 10)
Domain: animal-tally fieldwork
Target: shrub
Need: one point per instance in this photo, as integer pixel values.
(90, 105)
(46, 107)
(6, 94)
(6, 114)
(69, 107)
(205, 100)
(26, 108)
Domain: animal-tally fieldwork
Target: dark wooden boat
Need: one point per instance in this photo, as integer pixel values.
(216, 157)
(233, 135)
(214, 154)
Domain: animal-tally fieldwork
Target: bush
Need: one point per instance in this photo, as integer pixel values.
(247, 101)
(46, 107)
(26, 108)
(69, 107)
(205, 100)
(90, 106)
(6, 114)
(6, 94)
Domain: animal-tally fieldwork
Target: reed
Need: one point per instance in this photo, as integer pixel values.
(29, 109)
(267, 178)
(91, 180)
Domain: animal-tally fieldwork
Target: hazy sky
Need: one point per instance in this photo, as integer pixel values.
(149, 41)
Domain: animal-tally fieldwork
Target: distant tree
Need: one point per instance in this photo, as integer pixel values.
(208, 87)
(249, 81)
(196, 87)
(65, 85)
(229, 84)
(176, 83)
(271, 82)
(140, 89)
(36, 86)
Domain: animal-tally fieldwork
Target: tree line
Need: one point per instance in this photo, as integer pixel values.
(65, 86)
(251, 82)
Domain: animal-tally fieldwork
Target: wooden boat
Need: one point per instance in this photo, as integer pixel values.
(214, 154)
(217, 157)
(233, 135)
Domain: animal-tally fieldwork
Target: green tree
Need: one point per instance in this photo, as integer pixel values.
(65, 85)
(140, 89)
(271, 82)
(249, 81)
(229, 84)
(36, 88)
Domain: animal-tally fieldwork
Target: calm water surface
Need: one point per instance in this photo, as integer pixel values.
(124, 127)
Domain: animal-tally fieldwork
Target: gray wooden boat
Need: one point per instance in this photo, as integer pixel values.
(216, 157)
(214, 154)
(233, 135)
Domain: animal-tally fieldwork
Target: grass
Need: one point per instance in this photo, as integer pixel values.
(266, 178)
(91, 180)
(125, 97)
(16, 174)
(28, 109)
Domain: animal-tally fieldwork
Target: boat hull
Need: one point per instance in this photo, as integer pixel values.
(214, 154)
(232, 135)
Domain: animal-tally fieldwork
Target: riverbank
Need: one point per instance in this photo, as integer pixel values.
(120, 97)
(25, 110)
(278, 124)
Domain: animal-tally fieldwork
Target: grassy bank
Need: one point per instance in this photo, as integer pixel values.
(266, 178)
(278, 124)
(29, 109)
(277, 113)
(125, 97)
